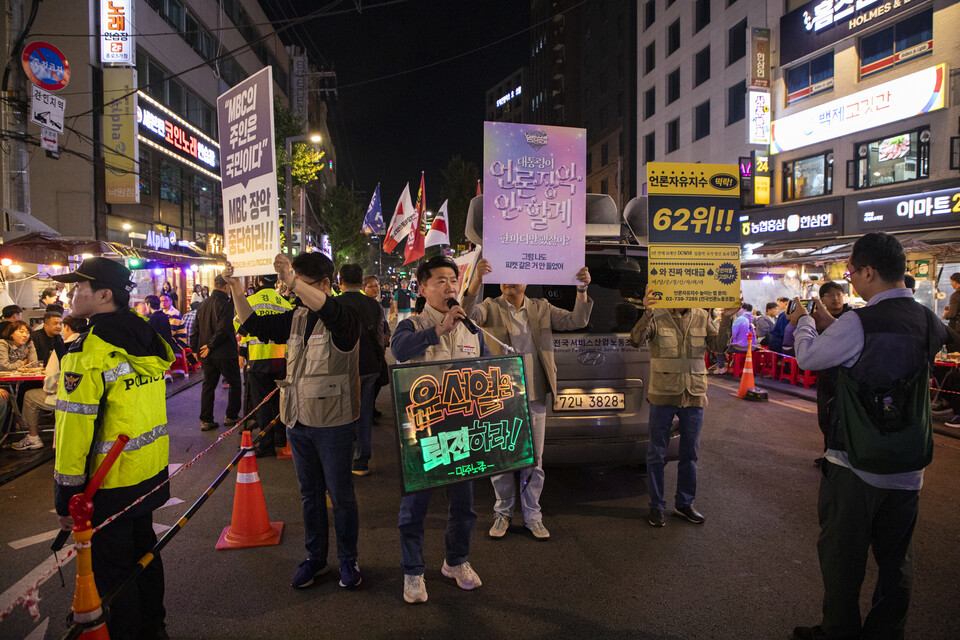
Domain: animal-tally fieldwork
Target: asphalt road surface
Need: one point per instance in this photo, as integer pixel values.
(749, 572)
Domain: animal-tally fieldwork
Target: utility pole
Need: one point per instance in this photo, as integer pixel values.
(14, 162)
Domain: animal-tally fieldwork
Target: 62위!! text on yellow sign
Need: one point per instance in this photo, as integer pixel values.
(694, 234)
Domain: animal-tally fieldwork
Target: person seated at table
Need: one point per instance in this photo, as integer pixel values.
(16, 348)
(10, 313)
(47, 337)
(159, 320)
(45, 399)
(177, 330)
(742, 328)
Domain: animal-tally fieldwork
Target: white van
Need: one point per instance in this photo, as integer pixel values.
(599, 415)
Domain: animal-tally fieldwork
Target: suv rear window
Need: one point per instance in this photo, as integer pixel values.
(617, 285)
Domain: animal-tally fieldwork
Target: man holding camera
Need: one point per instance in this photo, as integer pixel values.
(878, 439)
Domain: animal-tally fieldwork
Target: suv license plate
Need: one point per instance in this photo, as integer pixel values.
(588, 401)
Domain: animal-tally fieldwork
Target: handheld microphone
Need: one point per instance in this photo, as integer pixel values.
(467, 322)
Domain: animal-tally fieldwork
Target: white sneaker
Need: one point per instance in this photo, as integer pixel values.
(414, 589)
(500, 526)
(538, 530)
(464, 574)
(30, 442)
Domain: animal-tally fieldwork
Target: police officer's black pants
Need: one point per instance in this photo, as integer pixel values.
(856, 517)
(213, 368)
(260, 385)
(138, 610)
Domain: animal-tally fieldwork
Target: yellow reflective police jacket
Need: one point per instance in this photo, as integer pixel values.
(264, 357)
(112, 383)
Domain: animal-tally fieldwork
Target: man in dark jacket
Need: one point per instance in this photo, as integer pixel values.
(47, 338)
(159, 320)
(371, 358)
(214, 340)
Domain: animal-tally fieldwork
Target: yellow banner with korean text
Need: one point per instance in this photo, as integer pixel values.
(694, 234)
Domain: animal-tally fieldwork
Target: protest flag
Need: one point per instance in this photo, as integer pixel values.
(438, 229)
(373, 221)
(415, 248)
(403, 216)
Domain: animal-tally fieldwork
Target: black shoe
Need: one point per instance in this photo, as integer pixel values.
(230, 422)
(689, 513)
(208, 426)
(808, 633)
(953, 423)
(360, 468)
(656, 519)
(377, 413)
(264, 453)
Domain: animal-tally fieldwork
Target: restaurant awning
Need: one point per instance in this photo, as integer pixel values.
(185, 254)
(45, 248)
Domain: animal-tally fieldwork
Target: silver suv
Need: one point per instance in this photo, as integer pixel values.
(599, 415)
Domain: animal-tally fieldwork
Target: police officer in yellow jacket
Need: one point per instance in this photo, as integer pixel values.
(266, 361)
(111, 383)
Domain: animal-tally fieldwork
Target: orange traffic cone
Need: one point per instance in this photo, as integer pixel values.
(284, 452)
(746, 380)
(86, 601)
(250, 526)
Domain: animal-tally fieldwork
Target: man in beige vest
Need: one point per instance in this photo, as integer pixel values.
(678, 339)
(527, 325)
(437, 333)
(319, 404)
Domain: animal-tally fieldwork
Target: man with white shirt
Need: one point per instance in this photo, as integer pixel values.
(873, 350)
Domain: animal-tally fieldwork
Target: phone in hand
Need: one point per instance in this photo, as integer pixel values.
(809, 305)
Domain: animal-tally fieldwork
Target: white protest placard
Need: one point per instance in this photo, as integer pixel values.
(46, 109)
(534, 202)
(466, 266)
(251, 217)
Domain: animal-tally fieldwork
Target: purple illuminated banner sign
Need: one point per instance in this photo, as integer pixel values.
(251, 219)
(534, 202)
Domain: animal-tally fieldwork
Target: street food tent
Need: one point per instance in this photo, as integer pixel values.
(43, 248)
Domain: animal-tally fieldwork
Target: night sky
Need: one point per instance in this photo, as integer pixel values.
(389, 130)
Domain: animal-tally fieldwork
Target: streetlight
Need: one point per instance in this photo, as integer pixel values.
(288, 189)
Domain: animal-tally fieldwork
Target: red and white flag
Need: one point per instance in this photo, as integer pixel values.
(415, 248)
(403, 216)
(438, 229)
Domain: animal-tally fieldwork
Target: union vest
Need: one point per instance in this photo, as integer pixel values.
(322, 387)
(676, 357)
(455, 345)
(896, 343)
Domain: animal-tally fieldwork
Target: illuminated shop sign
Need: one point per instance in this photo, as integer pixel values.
(116, 32)
(821, 23)
(507, 97)
(759, 117)
(161, 129)
(160, 241)
(913, 210)
(800, 222)
(905, 97)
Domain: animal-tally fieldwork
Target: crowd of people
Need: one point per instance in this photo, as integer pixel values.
(326, 352)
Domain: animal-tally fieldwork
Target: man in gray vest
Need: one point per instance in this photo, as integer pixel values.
(526, 324)
(437, 333)
(319, 404)
(891, 340)
(678, 339)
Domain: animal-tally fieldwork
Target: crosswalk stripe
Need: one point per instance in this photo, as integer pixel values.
(172, 502)
(40, 537)
(40, 632)
(27, 581)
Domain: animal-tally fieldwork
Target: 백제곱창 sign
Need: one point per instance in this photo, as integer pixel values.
(694, 234)
(459, 420)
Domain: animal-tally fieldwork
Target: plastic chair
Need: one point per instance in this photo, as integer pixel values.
(790, 370)
(808, 379)
(735, 363)
(767, 363)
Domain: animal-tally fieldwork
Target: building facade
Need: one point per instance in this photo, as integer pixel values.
(507, 101)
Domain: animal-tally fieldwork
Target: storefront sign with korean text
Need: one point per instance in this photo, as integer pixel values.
(821, 23)
(759, 58)
(168, 133)
(121, 145)
(905, 97)
(931, 209)
(694, 247)
(460, 420)
(534, 202)
(116, 32)
(251, 219)
(759, 106)
(821, 219)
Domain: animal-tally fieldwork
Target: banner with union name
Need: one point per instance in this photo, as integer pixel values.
(251, 217)
(459, 420)
(694, 234)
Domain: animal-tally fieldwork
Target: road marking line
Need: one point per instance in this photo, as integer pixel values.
(159, 528)
(173, 466)
(40, 537)
(172, 502)
(40, 632)
(780, 402)
(27, 581)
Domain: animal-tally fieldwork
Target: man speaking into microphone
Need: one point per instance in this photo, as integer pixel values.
(439, 332)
